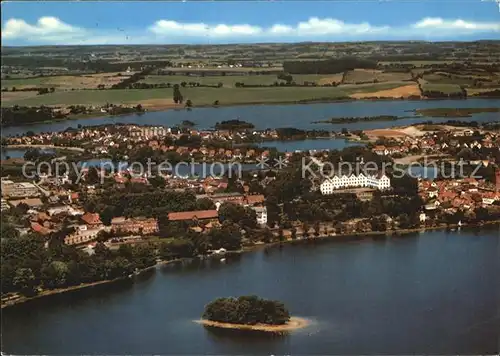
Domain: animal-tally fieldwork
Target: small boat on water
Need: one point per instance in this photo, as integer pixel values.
(223, 260)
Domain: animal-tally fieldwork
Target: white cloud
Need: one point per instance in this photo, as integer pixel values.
(173, 28)
(46, 29)
(316, 26)
(280, 29)
(51, 30)
(313, 27)
(438, 23)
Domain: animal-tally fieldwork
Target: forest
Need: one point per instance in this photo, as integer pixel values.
(329, 66)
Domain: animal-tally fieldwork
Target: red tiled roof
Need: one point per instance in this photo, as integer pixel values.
(190, 215)
(255, 199)
(39, 228)
(91, 219)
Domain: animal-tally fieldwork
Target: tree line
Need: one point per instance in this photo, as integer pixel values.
(17, 115)
(28, 266)
(328, 66)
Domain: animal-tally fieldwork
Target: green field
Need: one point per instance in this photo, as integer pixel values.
(229, 80)
(364, 76)
(419, 63)
(27, 82)
(199, 96)
(444, 88)
(435, 78)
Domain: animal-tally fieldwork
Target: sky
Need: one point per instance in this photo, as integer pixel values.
(218, 22)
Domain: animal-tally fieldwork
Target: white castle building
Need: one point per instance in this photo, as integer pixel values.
(380, 182)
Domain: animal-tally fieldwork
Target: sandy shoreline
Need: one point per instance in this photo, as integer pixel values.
(295, 323)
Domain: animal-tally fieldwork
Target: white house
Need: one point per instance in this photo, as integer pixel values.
(380, 182)
(261, 212)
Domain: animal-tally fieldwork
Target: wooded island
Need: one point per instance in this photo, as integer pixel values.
(248, 310)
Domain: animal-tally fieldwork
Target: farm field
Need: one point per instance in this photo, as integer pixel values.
(277, 68)
(475, 91)
(199, 96)
(17, 95)
(417, 63)
(445, 88)
(364, 76)
(437, 78)
(403, 91)
(231, 80)
(67, 82)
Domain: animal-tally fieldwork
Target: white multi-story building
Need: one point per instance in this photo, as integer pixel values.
(5, 206)
(261, 212)
(146, 132)
(19, 190)
(380, 182)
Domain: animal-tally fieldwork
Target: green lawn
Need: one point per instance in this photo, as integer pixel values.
(200, 96)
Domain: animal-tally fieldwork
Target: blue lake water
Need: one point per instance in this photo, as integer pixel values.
(436, 292)
(273, 116)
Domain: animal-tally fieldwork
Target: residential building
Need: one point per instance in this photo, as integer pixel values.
(92, 219)
(149, 132)
(30, 202)
(59, 210)
(261, 212)
(197, 215)
(497, 179)
(82, 234)
(139, 225)
(5, 206)
(380, 182)
(19, 190)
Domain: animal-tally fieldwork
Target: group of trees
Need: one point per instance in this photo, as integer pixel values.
(40, 91)
(489, 94)
(141, 200)
(249, 310)
(77, 64)
(169, 85)
(37, 155)
(18, 115)
(329, 66)
(342, 120)
(129, 81)
(178, 98)
(184, 242)
(291, 133)
(461, 94)
(27, 266)
(234, 125)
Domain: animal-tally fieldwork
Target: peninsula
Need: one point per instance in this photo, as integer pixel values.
(348, 120)
(454, 112)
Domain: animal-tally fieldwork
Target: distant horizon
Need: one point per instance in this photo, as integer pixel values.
(246, 22)
(248, 43)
